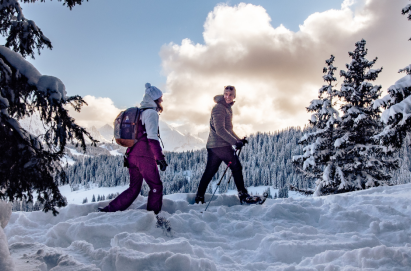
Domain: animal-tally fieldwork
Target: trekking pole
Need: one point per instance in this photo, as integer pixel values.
(225, 171)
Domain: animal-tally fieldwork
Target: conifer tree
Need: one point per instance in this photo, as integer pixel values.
(397, 105)
(283, 192)
(360, 162)
(29, 163)
(316, 162)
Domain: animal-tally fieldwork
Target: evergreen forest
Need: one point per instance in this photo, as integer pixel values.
(266, 160)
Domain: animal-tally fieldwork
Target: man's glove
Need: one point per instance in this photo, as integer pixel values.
(239, 144)
(163, 164)
(244, 140)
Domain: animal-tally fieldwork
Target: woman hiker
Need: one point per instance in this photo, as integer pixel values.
(219, 146)
(144, 156)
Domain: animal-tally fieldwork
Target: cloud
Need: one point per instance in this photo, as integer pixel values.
(100, 111)
(277, 72)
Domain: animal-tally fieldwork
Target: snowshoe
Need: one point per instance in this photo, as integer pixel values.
(164, 224)
(102, 209)
(245, 198)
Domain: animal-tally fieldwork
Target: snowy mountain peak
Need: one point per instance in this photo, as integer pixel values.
(96, 135)
(173, 139)
(107, 131)
(33, 124)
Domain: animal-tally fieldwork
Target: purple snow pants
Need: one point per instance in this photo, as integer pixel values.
(140, 167)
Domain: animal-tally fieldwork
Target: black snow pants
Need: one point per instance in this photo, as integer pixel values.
(214, 159)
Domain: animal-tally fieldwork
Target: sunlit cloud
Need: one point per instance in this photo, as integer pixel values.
(277, 72)
(100, 111)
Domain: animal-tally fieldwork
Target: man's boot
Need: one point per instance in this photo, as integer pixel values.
(199, 199)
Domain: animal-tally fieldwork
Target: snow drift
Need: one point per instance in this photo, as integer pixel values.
(353, 231)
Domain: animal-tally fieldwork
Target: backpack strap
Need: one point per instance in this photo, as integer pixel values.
(160, 137)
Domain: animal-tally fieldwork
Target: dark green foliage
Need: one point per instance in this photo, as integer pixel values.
(28, 163)
(266, 160)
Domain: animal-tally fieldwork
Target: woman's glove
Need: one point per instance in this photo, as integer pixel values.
(163, 164)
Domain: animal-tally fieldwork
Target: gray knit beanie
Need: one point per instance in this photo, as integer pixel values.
(153, 92)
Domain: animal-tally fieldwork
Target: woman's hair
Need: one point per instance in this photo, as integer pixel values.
(159, 106)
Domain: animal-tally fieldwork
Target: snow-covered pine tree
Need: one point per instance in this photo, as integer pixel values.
(407, 11)
(397, 105)
(396, 117)
(29, 163)
(360, 162)
(283, 192)
(316, 162)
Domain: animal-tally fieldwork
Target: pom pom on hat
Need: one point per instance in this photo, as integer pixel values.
(153, 92)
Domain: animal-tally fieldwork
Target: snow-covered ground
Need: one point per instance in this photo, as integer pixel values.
(76, 197)
(112, 152)
(365, 230)
(75, 152)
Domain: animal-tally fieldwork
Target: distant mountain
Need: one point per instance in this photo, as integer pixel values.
(107, 131)
(33, 125)
(96, 135)
(174, 140)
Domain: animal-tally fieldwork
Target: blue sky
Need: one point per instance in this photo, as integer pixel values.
(108, 48)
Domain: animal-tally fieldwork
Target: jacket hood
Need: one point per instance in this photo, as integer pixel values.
(219, 99)
(148, 102)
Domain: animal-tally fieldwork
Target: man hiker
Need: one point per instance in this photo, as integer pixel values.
(144, 157)
(219, 146)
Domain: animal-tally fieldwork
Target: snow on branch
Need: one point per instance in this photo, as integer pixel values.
(50, 86)
(403, 108)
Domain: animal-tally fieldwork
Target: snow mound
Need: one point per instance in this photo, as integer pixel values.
(353, 231)
(6, 261)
